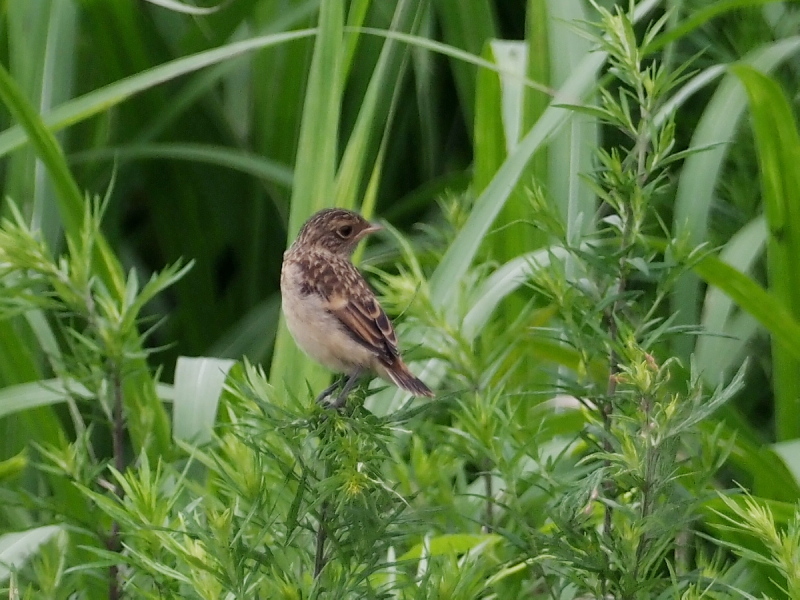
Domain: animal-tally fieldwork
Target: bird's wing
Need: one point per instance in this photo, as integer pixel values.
(349, 299)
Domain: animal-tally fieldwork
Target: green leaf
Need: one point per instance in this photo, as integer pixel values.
(14, 466)
(503, 282)
(751, 297)
(198, 385)
(315, 169)
(778, 145)
(729, 331)
(489, 146)
(461, 252)
(16, 548)
(374, 113)
(790, 453)
(448, 544)
(26, 396)
(571, 152)
(188, 9)
(751, 459)
(467, 26)
(102, 99)
(42, 39)
(71, 203)
(698, 177)
(232, 158)
(697, 18)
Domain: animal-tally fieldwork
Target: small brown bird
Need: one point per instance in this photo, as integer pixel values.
(330, 310)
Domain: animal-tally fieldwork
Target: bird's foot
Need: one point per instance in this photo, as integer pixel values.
(321, 399)
(349, 384)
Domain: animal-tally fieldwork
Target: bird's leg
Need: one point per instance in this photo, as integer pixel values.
(351, 382)
(330, 389)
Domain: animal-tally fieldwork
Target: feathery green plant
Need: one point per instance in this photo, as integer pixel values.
(101, 349)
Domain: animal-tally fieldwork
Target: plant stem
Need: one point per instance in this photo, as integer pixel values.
(322, 525)
(118, 439)
(608, 407)
(647, 486)
(113, 571)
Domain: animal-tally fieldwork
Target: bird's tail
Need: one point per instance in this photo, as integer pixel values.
(399, 374)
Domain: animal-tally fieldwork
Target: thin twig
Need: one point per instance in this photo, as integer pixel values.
(647, 486)
(319, 558)
(118, 440)
(607, 411)
(114, 593)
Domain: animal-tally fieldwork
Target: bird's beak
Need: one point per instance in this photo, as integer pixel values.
(373, 228)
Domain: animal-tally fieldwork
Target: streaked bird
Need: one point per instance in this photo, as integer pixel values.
(331, 311)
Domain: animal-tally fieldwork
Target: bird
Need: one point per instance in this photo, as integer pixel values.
(330, 310)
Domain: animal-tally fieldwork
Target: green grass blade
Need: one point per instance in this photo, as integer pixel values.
(315, 167)
(468, 26)
(504, 281)
(28, 396)
(698, 177)
(270, 171)
(461, 252)
(197, 389)
(188, 9)
(232, 158)
(538, 39)
(423, 43)
(102, 99)
(355, 18)
(375, 107)
(42, 38)
(789, 451)
(729, 330)
(778, 146)
(751, 297)
(698, 18)
(71, 198)
(147, 419)
(489, 145)
(16, 548)
(572, 151)
(277, 117)
(314, 176)
(501, 106)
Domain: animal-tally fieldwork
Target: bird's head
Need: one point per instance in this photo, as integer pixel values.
(336, 230)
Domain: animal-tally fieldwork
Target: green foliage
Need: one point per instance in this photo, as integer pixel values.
(778, 145)
(602, 374)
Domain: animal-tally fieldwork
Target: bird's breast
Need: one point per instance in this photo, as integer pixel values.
(316, 331)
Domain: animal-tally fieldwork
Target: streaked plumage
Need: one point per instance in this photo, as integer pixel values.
(330, 310)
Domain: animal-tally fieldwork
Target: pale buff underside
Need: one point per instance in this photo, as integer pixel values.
(318, 333)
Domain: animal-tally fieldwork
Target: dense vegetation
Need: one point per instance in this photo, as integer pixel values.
(593, 224)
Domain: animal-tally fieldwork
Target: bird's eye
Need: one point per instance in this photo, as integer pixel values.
(345, 231)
